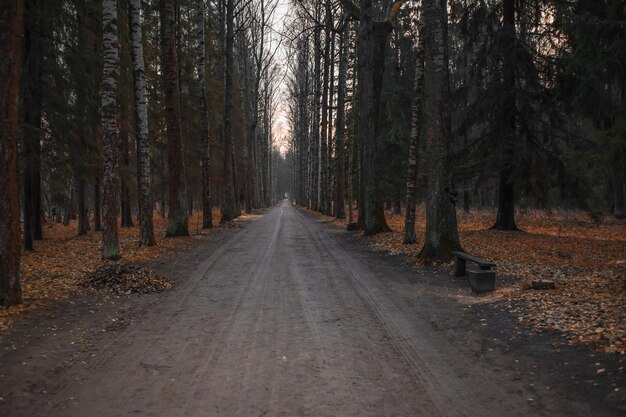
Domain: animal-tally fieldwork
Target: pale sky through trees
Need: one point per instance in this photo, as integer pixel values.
(280, 132)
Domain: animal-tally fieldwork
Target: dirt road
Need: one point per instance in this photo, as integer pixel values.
(285, 317)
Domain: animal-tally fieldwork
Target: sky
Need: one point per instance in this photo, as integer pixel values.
(281, 123)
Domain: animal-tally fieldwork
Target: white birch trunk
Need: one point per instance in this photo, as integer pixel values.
(416, 125)
(110, 148)
(146, 234)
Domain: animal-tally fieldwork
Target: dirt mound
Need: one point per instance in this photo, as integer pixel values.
(121, 279)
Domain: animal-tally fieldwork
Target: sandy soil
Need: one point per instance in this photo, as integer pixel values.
(289, 317)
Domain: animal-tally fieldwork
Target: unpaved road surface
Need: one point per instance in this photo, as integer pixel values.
(285, 317)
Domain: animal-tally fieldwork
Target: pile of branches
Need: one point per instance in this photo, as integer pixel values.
(119, 278)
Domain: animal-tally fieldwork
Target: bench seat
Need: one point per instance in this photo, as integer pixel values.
(461, 259)
(481, 280)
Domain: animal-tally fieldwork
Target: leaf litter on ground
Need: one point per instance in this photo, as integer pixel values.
(61, 262)
(123, 279)
(585, 258)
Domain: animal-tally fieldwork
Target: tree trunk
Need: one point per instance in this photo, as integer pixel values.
(27, 205)
(265, 144)
(467, 202)
(97, 224)
(11, 15)
(416, 125)
(126, 210)
(619, 209)
(442, 236)
(207, 219)
(331, 161)
(142, 134)
(31, 125)
(78, 158)
(110, 146)
(36, 123)
(371, 47)
(505, 219)
(324, 194)
(315, 134)
(177, 219)
(340, 128)
(83, 219)
(228, 204)
(36, 192)
(163, 185)
(302, 81)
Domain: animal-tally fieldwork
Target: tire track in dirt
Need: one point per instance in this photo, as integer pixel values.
(284, 319)
(450, 394)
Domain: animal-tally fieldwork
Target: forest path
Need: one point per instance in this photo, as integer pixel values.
(286, 318)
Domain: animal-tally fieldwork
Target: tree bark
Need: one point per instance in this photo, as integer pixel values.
(78, 159)
(505, 219)
(228, 204)
(207, 219)
(36, 123)
(619, 203)
(414, 141)
(142, 134)
(97, 216)
(315, 134)
(302, 83)
(177, 219)
(110, 137)
(340, 128)
(331, 161)
(441, 227)
(372, 42)
(324, 194)
(31, 126)
(11, 26)
(126, 211)
(83, 219)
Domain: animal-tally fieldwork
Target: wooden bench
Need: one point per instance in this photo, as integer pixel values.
(481, 280)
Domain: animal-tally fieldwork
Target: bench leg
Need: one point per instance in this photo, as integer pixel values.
(459, 267)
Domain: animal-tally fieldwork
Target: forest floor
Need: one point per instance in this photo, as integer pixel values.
(585, 258)
(58, 265)
(283, 316)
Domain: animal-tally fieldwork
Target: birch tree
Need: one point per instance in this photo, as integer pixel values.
(144, 179)
(414, 140)
(110, 147)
